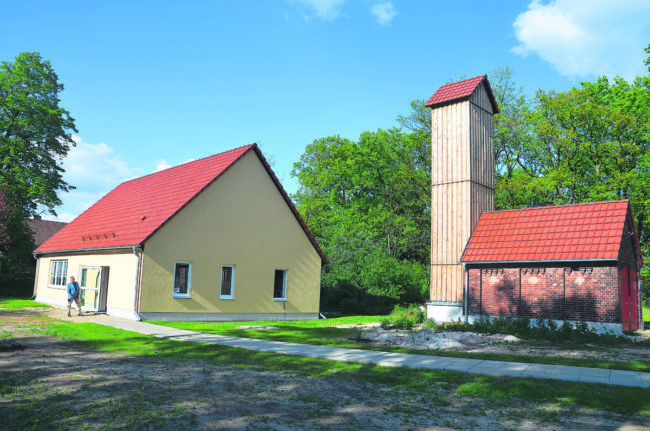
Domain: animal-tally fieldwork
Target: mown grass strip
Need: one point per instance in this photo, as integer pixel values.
(322, 333)
(617, 399)
(20, 304)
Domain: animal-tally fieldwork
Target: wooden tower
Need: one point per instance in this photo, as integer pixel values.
(462, 184)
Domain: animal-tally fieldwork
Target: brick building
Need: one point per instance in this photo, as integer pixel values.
(566, 263)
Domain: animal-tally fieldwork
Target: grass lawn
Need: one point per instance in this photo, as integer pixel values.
(323, 333)
(20, 304)
(646, 317)
(129, 401)
(497, 389)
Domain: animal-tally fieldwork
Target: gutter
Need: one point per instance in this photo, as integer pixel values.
(137, 284)
(83, 250)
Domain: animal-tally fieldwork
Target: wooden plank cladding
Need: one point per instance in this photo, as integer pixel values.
(444, 282)
(462, 185)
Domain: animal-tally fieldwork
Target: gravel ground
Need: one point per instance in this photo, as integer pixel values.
(427, 339)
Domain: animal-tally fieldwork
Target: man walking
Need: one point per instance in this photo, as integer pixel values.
(73, 295)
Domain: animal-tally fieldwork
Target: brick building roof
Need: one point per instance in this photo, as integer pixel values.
(44, 229)
(461, 90)
(588, 231)
(133, 211)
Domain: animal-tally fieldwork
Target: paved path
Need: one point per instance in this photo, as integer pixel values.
(390, 359)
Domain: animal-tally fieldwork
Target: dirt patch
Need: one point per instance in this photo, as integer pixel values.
(52, 384)
(427, 339)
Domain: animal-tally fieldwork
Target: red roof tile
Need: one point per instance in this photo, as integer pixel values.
(589, 231)
(461, 90)
(133, 211)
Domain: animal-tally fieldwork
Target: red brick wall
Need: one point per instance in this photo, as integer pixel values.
(593, 294)
(585, 293)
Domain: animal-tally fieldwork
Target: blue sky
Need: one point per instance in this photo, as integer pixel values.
(152, 84)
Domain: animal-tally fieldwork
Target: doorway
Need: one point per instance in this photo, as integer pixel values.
(93, 281)
(629, 299)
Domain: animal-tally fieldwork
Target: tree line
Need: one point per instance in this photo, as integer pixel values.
(368, 201)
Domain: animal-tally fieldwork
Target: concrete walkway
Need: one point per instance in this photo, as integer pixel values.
(389, 359)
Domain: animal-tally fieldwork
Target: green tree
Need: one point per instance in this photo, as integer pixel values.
(35, 133)
(16, 242)
(367, 202)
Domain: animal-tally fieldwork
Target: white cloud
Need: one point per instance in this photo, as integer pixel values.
(162, 165)
(586, 37)
(384, 12)
(94, 169)
(324, 9)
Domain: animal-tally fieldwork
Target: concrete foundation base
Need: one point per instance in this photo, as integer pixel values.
(599, 328)
(444, 312)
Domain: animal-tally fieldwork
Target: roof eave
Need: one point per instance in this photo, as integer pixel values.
(86, 250)
(496, 262)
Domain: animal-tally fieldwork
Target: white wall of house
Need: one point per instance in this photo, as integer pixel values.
(121, 281)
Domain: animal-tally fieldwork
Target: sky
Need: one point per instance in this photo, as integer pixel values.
(153, 84)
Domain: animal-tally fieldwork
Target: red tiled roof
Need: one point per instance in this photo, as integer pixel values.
(461, 90)
(589, 231)
(133, 211)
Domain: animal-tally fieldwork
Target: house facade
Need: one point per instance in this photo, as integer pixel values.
(213, 239)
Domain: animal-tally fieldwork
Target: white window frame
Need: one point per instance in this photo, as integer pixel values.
(54, 274)
(189, 280)
(232, 283)
(285, 273)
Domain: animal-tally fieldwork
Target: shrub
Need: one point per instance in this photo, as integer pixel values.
(404, 318)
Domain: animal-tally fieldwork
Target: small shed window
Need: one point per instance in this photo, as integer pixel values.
(182, 279)
(227, 282)
(280, 284)
(58, 273)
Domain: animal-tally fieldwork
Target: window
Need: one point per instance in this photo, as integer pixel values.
(58, 273)
(280, 284)
(227, 281)
(182, 277)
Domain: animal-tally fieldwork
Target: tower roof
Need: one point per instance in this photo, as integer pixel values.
(461, 90)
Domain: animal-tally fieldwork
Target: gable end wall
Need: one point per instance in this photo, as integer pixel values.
(241, 220)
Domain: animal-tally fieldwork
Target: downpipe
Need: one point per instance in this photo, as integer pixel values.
(465, 299)
(38, 263)
(137, 285)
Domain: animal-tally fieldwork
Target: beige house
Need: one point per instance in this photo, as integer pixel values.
(213, 239)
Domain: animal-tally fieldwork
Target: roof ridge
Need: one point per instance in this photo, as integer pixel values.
(254, 144)
(464, 80)
(462, 90)
(557, 206)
